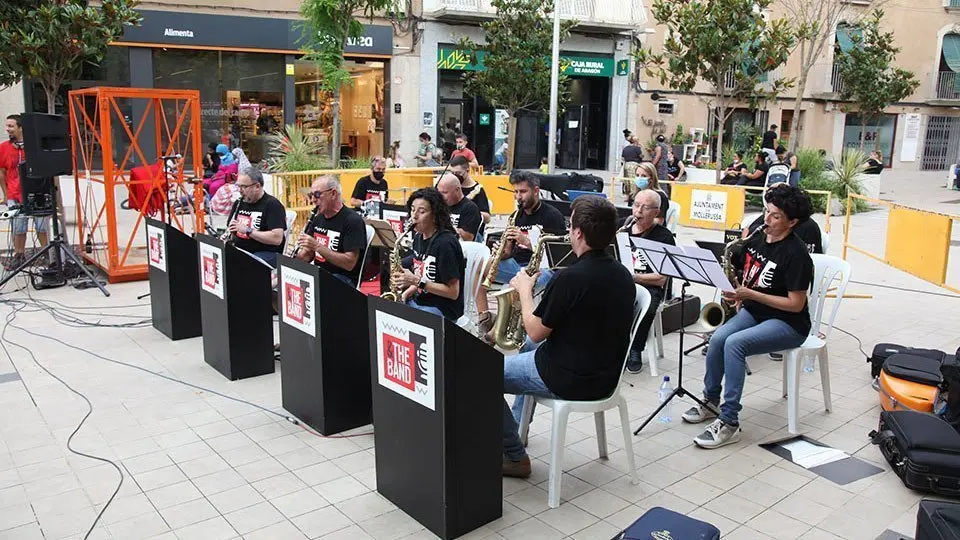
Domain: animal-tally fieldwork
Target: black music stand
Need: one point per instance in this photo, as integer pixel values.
(717, 249)
(174, 281)
(689, 264)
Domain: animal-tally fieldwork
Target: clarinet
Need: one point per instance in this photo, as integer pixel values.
(308, 230)
(228, 236)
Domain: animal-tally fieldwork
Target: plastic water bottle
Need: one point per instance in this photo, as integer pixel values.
(665, 391)
(808, 364)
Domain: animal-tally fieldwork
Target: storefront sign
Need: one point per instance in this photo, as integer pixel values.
(623, 68)
(208, 30)
(572, 65)
(708, 206)
(911, 138)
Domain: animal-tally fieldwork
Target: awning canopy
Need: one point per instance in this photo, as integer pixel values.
(844, 36)
(951, 52)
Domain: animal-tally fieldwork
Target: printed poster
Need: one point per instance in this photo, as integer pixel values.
(708, 205)
(406, 360)
(157, 247)
(298, 308)
(211, 269)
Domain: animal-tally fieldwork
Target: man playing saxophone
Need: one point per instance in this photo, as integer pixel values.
(646, 208)
(578, 334)
(335, 236)
(777, 272)
(516, 245)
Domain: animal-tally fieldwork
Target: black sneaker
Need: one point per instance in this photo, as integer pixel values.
(635, 363)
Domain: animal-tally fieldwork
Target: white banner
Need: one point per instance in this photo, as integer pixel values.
(298, 307)
(157, 247)
(406, 360)
(911, 137)
(211, 269)
(708, 205)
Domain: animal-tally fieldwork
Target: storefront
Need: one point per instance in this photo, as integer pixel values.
(251, 78)
(583, 126)
(878, 134)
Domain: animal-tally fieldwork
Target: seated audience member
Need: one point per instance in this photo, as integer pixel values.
(464, 215)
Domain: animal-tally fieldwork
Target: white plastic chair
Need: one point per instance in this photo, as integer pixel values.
(366, 252)
(654, 348)
(826, 269)
(477, 255)
(673, 217)
(824, 240)
(562, 410)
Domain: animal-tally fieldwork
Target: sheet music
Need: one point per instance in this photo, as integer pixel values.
(688, 262)
(624, 250)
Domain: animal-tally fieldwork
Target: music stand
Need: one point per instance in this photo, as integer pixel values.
(717, 249)
(687, 263)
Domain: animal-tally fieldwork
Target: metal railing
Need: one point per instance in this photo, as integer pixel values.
(612, 11)
(951, 4)
(836, 81)
(948, 83)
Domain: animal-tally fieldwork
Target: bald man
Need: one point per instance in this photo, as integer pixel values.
(463, 212)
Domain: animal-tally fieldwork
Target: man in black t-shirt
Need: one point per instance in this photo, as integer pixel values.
(646, 207)
(257, 220)
(759, 175)
(464, 215)
(335, 237)
(532, 213)
(432, 278)
(472, 189)
(582, 326)
(776, 274)
(373, 186)
(770, 138)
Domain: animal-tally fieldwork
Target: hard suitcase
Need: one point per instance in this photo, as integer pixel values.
(662, 523)
(922, 449)
(909, 382)
(938, 520)
(882, 351)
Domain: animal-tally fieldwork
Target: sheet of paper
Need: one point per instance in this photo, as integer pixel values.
(624, 251)
(809, 455)
(702, 263)
(655, 252)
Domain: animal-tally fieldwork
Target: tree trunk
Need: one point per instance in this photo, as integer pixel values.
(511, 140)
(335, 135)
(863, 131)
(721, 114)
(797, 105)
(51, 98)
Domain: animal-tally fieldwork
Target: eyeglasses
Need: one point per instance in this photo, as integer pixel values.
(317, 194)
(245, 186)
(644, 208)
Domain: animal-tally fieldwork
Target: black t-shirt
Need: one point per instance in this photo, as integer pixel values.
(544, 215)
(657, 233)
(737, 168)
(632, 153)
(367, 189)
(589, 308)
(440, 258)
(777, 269)
(768, 139)
(873, 167)
(266, 214)
(479, 197)
(762, 179)
(807, 230)
(664, 203)
(673, 167)
(343, 233)
(465, 215)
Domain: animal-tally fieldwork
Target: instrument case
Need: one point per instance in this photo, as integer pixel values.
(922, 449)
(882, 351)
(662, 523)
(938, 520)
(909, 382)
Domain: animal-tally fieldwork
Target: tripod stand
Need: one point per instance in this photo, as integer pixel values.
(58, 245)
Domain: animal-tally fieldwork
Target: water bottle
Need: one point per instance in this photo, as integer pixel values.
(808, 364)
(665, 391)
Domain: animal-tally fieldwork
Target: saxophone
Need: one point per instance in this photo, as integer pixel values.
(508, 331)
(713, 315)
(498, 252)
(404, 241)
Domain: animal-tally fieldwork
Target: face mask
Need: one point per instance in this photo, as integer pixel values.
(461, 146)
(378, 175)
(641, 182)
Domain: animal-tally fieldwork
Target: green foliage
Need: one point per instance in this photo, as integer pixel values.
(52, 40)
(720, 41)
(744, 136)
(518, 62)
(843, 180)
(810, 163)
(291, 150)
(869, 78)
(678, 135)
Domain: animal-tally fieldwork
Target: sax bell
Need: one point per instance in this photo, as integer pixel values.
(712, 316)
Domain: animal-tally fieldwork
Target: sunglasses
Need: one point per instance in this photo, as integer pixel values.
(317, 194)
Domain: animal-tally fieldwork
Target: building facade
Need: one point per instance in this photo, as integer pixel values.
(921, 132)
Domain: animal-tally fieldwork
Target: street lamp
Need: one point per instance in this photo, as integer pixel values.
(554, 91)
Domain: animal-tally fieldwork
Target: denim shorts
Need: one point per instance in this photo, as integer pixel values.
(19, 224)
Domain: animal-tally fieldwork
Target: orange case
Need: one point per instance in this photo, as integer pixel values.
(898, 394)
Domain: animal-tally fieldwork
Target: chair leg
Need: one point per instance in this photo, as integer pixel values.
(650, 351)
(658, 329)
(560, 414)
(783, 379)
(825, 378)
(627, 439)
(792, 365)
(526, 417)
(601, 434)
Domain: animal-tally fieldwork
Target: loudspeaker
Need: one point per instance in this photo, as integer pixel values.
(46, 145)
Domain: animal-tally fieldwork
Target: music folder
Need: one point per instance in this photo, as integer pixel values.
(174, 286)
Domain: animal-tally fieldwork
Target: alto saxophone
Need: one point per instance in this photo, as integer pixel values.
(508, 331)
(405, 241)
(498, 252)
(713, 315)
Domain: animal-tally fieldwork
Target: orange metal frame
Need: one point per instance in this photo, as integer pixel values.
(94, 115)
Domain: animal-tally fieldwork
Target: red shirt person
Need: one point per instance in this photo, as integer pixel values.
(11, 156)
(462, 150)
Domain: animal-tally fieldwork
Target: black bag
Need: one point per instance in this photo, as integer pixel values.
(882, 351)
(914, 368)
(922, 449)
(662, 523)
(938, 520)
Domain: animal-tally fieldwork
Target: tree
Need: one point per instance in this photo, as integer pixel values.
(329, 25)
(51, 40)
(869, 79)
(726, 43)
(814, 21)
(516, 60)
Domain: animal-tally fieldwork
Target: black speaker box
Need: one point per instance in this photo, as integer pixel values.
(46, 144)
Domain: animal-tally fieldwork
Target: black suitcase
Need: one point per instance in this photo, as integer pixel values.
(938, 520)
(882, 351)
(662, 523)
(922, 449)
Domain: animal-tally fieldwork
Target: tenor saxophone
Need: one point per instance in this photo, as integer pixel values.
(508, 331)
(405, 241)
(498, 252)
(713, 315)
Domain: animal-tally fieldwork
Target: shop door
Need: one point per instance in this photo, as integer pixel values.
(526, 154)
(451, 113)
(941, 143)
(573, 138)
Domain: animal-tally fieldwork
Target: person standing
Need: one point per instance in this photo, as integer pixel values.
(770, 138)
(632, 155)
(462, 150)
(373, 186)
(660, 156)
(258, 219)
(11, 156)
(335, 237)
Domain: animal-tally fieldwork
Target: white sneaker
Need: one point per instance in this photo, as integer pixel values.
(697, 414)
(718, 434)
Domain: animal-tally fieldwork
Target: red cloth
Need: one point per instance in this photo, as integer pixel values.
(141, 179)
(466, 152)
(10, 158)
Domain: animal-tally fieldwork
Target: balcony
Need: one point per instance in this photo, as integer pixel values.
(951, 4)
(594, 16)
(824, 81)
(948, 89)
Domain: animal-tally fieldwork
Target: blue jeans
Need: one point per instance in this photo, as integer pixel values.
(346, 279)
(794, 178)
(727, 356)
(429, 309)
(269, 257)
(521, 378)
(508, 268)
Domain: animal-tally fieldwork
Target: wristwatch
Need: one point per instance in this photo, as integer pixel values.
(249, 231)
(422, 286)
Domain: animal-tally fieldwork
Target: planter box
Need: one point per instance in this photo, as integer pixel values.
(701, 176)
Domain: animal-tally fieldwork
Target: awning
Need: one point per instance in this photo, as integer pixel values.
(951, 52)
(844, 39)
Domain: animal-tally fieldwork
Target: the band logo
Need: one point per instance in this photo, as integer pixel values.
(402, 362)
(296, 300)
(210, 271)
(155, 248)
(297, 303)
(406, 358)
